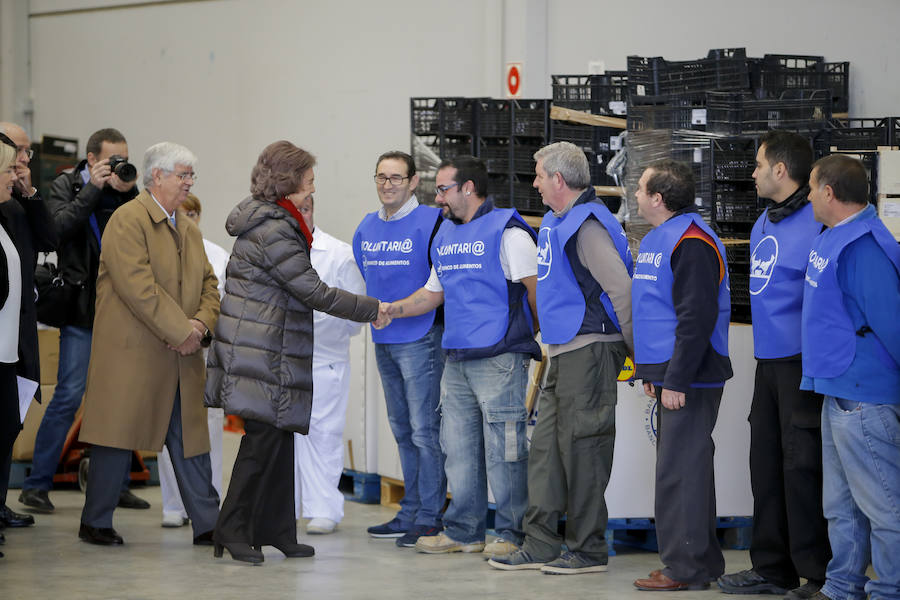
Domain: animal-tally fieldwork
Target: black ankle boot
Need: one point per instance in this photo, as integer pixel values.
(238, 551)
(295, 550)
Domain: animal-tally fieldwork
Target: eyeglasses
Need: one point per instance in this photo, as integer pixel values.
(394, 179)
(27, 151)
(443, 189)
(185, 176)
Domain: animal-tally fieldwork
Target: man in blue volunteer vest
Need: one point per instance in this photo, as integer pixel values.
(391, 247)
(790, 534)
(584, 306)
(681, 310)
(484, 272)
(851, 354)
(81, 202)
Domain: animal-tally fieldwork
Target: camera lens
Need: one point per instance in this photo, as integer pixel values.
(126, 171)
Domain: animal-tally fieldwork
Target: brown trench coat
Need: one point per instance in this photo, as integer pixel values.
(152, 279)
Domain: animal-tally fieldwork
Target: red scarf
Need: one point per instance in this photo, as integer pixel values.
(289, 206)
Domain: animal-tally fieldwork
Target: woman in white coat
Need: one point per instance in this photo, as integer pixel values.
(174, 514)
(319, 456)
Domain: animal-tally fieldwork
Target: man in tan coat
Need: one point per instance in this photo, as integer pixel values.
(156, 303)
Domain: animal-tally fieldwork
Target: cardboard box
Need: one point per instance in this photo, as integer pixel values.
(889, 212)
(889, 172)
(23, 448)
(48, 345)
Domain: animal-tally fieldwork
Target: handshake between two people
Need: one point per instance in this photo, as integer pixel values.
(386, 313)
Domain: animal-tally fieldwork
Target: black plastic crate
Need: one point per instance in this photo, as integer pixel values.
(453, 145)
(494, 117)
(735, 205)
(458, 116)
(597, 166)
(775, 73)
(589, 138)
(733, 159)
(496, 155)
(655, 77)
(426, 115)
(604, 94)
(667, 116)
(740, 288)
(737, 252)
(859, 133)
(499, 190)
(526, 199)
(738, 113)
(523, 158)
(530, 117)
(894, 131)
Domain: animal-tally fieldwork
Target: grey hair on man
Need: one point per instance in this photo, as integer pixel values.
(568, 160)
(164, 156)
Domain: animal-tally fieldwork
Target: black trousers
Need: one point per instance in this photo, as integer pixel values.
(686, 488)
(259, 507)
(9, 422)
(790, 533)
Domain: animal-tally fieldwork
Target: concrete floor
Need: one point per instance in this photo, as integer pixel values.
(49, 561)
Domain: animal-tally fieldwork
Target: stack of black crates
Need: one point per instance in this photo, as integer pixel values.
(734, 99)
(505, 134)
(441, 128)
(602, 94)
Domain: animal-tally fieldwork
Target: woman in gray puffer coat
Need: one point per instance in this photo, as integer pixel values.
(260, 361)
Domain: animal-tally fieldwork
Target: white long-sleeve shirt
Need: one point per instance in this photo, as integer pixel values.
(333, 261)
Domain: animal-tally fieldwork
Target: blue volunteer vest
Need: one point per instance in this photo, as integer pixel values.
(778, 259)
(653, 312)
(570, 302)
(484, 313)
(393, 259)
(829, 338)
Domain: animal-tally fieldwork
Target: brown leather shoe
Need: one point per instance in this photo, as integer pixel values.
(658, 582)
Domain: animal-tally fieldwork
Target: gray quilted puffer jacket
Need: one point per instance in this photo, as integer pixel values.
(260, 361)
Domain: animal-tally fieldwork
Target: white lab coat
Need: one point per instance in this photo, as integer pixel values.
(215, 417)
(319, 456)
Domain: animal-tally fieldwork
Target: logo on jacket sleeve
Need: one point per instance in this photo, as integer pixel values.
(544, 253)
(762, 263)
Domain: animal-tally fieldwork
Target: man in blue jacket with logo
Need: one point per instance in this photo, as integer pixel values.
(584, 306)
(391, 248)
(681, 310)
(851, 354)
(484, 271)
(790, 534)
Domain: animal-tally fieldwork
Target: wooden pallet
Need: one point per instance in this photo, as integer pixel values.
(392, 491)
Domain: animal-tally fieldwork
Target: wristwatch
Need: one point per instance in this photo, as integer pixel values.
(207, 339)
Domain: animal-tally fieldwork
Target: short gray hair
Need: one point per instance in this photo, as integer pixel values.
(164, 156)
(568, 160)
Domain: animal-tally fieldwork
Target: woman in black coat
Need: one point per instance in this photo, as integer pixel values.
(260, 361)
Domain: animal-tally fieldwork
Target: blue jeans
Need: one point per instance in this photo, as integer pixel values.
(861, 497)
(74, 356)
(411, 377)
(483, 437)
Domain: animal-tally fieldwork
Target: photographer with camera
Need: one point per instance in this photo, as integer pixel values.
(81, 202)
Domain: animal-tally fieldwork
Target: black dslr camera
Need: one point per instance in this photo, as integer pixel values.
(119, 165)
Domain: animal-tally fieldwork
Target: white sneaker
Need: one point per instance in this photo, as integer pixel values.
(320, 526)
(174, 519)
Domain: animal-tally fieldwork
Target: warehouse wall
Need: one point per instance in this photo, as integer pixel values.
(226, 78)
